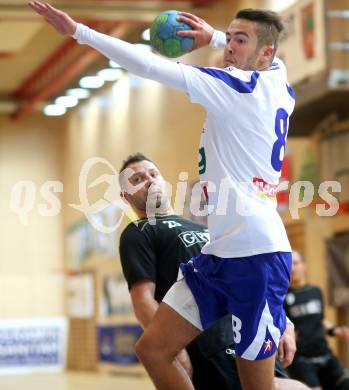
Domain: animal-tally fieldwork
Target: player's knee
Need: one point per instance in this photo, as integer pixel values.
(146, 348)
(141, 348)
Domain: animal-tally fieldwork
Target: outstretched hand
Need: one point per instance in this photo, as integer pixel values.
(61, 21)
(201, 31)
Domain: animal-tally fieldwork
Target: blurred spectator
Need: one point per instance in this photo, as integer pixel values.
(314, 363)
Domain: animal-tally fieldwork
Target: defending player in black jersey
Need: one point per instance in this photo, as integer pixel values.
(314, 363)
(150, 251)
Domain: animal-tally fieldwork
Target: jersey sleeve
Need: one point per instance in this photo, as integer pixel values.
(215, 88)
(133, 58)
(218, 40)
(137, 255)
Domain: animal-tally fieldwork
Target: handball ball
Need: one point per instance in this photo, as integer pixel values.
(164, 38)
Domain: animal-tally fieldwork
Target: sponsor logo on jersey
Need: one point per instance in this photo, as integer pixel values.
(312, 307)
(190, 238)
(171, 224)
(264, 188)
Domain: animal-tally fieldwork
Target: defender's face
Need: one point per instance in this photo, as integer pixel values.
(298, 269)
(241, 45)
(152, 187)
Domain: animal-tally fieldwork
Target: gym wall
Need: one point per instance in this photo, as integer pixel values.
(31, 247)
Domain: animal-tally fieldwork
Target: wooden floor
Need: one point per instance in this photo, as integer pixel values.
(75, 381)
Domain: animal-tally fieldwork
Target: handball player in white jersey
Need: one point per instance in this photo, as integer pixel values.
(244, 270)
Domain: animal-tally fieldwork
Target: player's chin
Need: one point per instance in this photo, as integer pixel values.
(227, 63)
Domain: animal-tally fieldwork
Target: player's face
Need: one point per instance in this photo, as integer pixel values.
(150, 185)
(298, 269)
(241, 46)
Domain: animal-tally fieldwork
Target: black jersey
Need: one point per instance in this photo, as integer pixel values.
(154, 250)
(304, 306)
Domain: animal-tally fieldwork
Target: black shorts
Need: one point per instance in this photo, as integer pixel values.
(324, 371)
(213, 360)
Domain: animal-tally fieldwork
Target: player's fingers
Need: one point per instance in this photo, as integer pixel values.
(54, 11)
(281, 351)
(190, 16)
(34, 4)
(39, 4)
(43, 7)
(193, 24)
(37, 7)
(45, 11)
(57, 17)
(53, 20)
(187, 33)
(51, 8)
(288, 357)
(33, 7)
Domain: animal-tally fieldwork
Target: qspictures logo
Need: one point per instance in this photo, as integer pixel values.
(25, 194)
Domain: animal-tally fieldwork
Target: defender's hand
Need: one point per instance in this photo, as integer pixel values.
(61, 21)
(287, 346)
(342, 332)
(201, 31)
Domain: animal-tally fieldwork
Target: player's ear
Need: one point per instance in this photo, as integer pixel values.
(268, 52)
(125, 197)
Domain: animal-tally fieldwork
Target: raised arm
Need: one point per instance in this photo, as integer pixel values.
(128, 56)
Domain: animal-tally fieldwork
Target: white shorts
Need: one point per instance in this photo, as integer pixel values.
(180, 298)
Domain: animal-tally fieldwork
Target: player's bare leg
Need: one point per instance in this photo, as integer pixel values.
(161, 342)
(256, 374)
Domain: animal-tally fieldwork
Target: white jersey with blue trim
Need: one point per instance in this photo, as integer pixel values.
(242, 143)
(241, 153)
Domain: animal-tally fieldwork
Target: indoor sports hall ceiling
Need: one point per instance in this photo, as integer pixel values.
(36, 62)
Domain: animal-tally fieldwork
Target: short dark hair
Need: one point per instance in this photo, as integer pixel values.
(133, 158)
(270, 25)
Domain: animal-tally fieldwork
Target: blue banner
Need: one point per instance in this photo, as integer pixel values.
(32, 345)
(116, 343)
